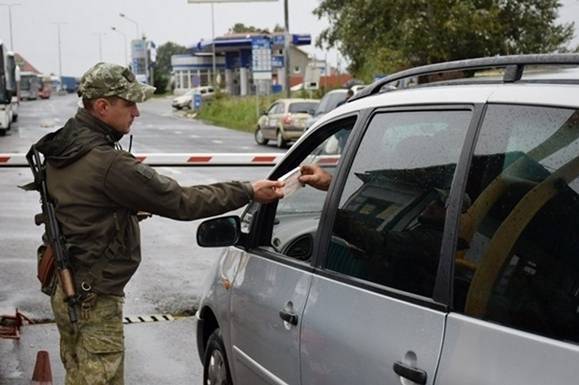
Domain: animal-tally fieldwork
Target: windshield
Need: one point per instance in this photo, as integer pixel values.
(330, 101)
(303, 107)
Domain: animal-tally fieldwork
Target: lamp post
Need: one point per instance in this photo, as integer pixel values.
(59, 52)
(9, 6)
(99, 34)
(286, 48)
(132, 21)
(125, 40)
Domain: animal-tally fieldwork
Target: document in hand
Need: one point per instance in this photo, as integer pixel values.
(292, 184)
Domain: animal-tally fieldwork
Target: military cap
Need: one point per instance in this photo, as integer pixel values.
(105, 79)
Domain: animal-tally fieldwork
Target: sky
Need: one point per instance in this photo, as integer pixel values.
(85, 22)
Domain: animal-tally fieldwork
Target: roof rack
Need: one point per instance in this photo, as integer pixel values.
(514, 66)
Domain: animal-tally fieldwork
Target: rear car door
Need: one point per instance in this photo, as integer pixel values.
(516, 286)
(372, 316)
(270, 288)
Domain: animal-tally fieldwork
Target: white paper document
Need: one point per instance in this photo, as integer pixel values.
(292, 184)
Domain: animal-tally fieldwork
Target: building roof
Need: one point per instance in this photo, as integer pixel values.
(25, 65)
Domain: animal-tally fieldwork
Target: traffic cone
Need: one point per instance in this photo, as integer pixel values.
(42, 373)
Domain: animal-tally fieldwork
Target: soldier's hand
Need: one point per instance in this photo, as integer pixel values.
(315, 176)
(266, 191)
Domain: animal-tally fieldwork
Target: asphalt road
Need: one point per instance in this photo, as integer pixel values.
(173, 268)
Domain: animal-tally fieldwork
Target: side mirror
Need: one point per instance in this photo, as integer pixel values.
(219, 232)
(264, 112)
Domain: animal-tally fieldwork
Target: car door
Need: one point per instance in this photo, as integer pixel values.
(270, 288)
(516, 287)
(372, 316)
(274, 116)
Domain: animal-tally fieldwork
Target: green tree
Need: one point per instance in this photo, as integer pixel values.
(381, 36)
(162, 74)
(242, 28)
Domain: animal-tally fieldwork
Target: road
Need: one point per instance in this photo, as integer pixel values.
(173, 268)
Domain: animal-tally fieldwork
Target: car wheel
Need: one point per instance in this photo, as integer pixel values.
(14, 118)
(215, 366)
(2, 131)
(280, 141)
(259, 138)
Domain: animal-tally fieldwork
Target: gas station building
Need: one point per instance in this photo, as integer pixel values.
(243, 62)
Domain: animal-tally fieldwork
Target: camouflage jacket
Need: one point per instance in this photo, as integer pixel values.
(97, 190)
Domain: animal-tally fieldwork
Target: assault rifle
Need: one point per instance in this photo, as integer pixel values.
(56, 249)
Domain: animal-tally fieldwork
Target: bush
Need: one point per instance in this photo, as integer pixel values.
(237, 112)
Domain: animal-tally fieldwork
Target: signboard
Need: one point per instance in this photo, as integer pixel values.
(261, 58)
(138, 56)
(277, 61)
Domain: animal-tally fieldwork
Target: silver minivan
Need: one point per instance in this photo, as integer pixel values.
(446, 249)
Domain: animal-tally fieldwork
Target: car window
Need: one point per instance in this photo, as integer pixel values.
(302, 107)
(390, 220)
(521, 266)
(330, 101)
(297, 216)
(272, 109)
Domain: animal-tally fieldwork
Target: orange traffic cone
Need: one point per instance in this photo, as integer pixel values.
(42, 373)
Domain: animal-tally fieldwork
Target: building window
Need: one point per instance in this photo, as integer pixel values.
(297, 69)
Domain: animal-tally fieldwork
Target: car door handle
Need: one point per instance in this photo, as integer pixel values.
(413, 374)
(288, 317)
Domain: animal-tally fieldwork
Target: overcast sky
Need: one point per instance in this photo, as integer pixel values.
(35, 34)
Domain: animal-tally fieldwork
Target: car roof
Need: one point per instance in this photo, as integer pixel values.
(297, 100)
(563, 95)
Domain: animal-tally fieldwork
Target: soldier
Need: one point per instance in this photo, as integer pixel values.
(97, 190)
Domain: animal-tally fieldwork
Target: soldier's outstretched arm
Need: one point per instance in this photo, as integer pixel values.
(266, 191)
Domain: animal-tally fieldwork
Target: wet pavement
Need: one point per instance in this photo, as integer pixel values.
(156, 353)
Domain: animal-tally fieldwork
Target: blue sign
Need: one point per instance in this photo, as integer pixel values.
(277, 61)
(197, 100)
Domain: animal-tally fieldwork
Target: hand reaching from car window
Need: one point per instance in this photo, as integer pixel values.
(315, 176)
(266, 191)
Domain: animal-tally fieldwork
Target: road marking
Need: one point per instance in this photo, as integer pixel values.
(217, 141)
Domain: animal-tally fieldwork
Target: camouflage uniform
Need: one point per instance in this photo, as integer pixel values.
(97, 190)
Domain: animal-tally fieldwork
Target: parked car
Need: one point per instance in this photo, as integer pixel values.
(284, 121)
(185, 100)
(444, 251)
(329, 101)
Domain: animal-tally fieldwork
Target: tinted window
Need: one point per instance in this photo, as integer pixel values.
(330, 101)
(302, 107)
(521, 267)
(390, 221)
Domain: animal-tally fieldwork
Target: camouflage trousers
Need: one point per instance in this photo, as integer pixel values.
(95, 354)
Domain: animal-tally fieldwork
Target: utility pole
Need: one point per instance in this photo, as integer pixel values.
(286, 53)
(9, 6)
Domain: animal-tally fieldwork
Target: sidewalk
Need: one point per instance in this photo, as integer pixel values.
(156, 353)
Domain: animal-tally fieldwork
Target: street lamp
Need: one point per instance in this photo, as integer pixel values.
(10, 5)
(132, 21)
(99, 34)
(124, 37)
(59, 52)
